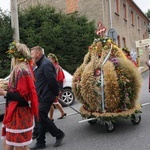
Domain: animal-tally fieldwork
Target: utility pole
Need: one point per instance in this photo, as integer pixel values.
(14, 19)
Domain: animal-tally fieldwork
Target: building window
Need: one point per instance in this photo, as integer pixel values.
(145, 35)
(124, 42)
(124, 12)
(71, 6)
(138, 22)
(118, 41)
(132, 18)
(117, 6)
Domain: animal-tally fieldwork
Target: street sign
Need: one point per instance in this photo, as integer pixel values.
(112, 33)
(142, 43)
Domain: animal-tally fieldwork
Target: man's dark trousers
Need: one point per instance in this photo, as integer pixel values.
(45, 124)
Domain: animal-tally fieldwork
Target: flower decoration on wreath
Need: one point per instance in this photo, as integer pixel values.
(13, 53)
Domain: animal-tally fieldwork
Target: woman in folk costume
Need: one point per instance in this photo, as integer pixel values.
(60, 79)
(128, 55)
(21, 100)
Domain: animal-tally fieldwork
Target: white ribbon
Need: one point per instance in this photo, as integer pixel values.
(102, 79)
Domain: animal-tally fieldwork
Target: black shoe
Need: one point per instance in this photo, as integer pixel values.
(59, 139)
(37, 147)
(64, 115)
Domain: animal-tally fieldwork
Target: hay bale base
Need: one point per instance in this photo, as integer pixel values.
(122, 114)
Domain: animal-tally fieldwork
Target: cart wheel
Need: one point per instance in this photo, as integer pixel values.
(110, 126)
(92, 122)
(136, 119)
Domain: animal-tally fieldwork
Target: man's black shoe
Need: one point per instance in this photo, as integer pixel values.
(59, 139)
(37, 147)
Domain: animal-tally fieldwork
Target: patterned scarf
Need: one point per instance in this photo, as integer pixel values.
(22, 81)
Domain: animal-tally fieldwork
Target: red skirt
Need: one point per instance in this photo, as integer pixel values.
(18, 131)
(56, 101)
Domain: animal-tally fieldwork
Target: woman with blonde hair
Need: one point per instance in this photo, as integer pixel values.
(21, 100)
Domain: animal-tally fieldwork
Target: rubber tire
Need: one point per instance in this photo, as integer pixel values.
(135, 120)
(92, 122)
(67, 97)
(110, 127)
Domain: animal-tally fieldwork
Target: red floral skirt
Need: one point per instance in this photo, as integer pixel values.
(18, 131)
(56, 101)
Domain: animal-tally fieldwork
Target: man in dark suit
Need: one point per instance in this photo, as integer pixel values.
(47, 89)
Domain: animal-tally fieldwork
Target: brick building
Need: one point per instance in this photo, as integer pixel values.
(124, 16)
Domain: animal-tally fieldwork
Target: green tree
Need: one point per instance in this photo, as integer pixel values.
(148, 14)
(5, 38)
(68, 36)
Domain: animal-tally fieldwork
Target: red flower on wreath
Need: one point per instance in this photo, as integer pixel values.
(97, 72)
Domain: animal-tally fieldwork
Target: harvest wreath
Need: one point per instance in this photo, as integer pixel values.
(107, 83)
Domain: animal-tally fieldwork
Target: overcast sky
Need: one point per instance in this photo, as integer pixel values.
(144, 5)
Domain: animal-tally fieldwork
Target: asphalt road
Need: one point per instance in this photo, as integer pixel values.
(83, 136)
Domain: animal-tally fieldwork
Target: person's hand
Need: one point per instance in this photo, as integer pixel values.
(2, 92)
(4, 84)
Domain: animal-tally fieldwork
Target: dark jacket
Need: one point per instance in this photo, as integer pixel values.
(46, 83)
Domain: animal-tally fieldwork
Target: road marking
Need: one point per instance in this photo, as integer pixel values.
(144, 104)
(71, 114)
(86, 120)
